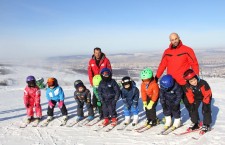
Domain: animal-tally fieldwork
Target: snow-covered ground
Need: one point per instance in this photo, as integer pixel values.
(12, 113)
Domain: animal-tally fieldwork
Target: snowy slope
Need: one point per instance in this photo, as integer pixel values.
(12, 113)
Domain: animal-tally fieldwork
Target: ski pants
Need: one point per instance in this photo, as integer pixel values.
(94, 100)
(207, 117)
(109, 109)
(34, 103)
(131, 110)
(50, 111)
(80, 106)
(185, 100)
(151, 114)
(170, 112)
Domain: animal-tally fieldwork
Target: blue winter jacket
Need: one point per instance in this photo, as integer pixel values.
(130, 97)
(172, 96)
(108, 91)
(55, 94)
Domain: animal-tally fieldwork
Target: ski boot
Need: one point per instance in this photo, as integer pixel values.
(114, 121)
(135, 120)
(105, 122)
(204, 129)
(127, 120)
(193, 126)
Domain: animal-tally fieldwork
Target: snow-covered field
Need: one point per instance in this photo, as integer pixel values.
(12, 113)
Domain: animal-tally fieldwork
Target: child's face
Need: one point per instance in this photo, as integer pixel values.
(127, 86)
(193, 81)
(146, 81)
(51, 87)
(80, 89)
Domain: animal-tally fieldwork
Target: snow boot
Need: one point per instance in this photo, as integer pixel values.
(135, 120)
(114, 121)
(105, 122)
(127, 120)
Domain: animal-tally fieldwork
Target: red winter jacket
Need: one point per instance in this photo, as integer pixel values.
(93, 69)
(177, 61)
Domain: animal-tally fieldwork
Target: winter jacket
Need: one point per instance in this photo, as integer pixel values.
(200, 92)
(130, 97)
(108, 91)
(171, 97)
(93, 69)
(151, 91)
(32, 95)
(55, 94)
(177, 61)
(84, 96)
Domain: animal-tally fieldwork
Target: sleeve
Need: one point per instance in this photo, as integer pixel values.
(117, 90)
(189, 95)
(25, 97)
(61, 94)
(179, 94)
(206, 92)
(88, 96)
(155, 92)
(143, 93)
(136, 96)
(193, 61)
(162, 97)
(90, 73)
(38, 97)
(47, 95)
(162, 65)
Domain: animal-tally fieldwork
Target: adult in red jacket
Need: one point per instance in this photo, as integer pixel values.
(96, 64)
(177, 59)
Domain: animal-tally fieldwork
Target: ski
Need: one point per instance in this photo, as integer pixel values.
(122, 127)
(100, 127)
(141, 127)
(186, 132)
(110, 128)
(144, 129)
(93, 123)
(201, 133)
(75, 122)
(36, 122)
(46, 122)
(63, 122)
(26, 123)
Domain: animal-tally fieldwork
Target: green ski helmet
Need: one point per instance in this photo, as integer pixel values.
(96, 80)
(146, 74)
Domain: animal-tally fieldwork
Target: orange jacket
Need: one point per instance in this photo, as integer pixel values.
(177, 61)
(201, 92)
(151, 92)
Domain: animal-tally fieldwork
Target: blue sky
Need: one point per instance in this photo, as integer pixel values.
(34, 28)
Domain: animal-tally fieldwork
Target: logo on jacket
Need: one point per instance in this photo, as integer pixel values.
(92, 65)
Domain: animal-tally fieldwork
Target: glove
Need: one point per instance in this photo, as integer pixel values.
(60, 104)
(175, 107)
(192, 107)
(164, 106)
(144, 105)
(50, 104)
(206, 108)
(150, 104)
(99, 104)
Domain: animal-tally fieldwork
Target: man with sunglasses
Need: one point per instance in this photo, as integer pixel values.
(177, 59)
(96, 64)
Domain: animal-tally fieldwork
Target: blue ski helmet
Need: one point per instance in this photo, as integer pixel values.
(166, 82)
(30, 78)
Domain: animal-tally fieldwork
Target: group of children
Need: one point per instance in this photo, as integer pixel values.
(108, 92)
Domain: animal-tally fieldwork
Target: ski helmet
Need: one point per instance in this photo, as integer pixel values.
(106, 72)
(189, 74)
(146, 74)
(96, 80)
(30, 78)
(126, 80)
(52, 82)
(166, 82)
(78, 83)
(40, 80)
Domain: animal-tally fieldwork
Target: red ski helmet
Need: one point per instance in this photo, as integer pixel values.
(189, 74)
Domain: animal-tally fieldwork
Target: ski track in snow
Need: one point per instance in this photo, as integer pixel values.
(12, 113)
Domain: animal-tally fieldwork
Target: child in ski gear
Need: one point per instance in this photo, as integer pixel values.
(130, 96)
(54, 94)
(109, 93)
(40, 83)
(83, 96)
(32, 99)
(197, 91)
(96, 81)
(170, 96)
(150, 96)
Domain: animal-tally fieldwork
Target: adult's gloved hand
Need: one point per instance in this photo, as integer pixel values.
(50, 104)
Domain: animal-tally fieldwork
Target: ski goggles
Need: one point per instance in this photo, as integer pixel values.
(105, 74)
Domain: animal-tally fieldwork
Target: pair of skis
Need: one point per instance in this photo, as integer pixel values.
(34, 122)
